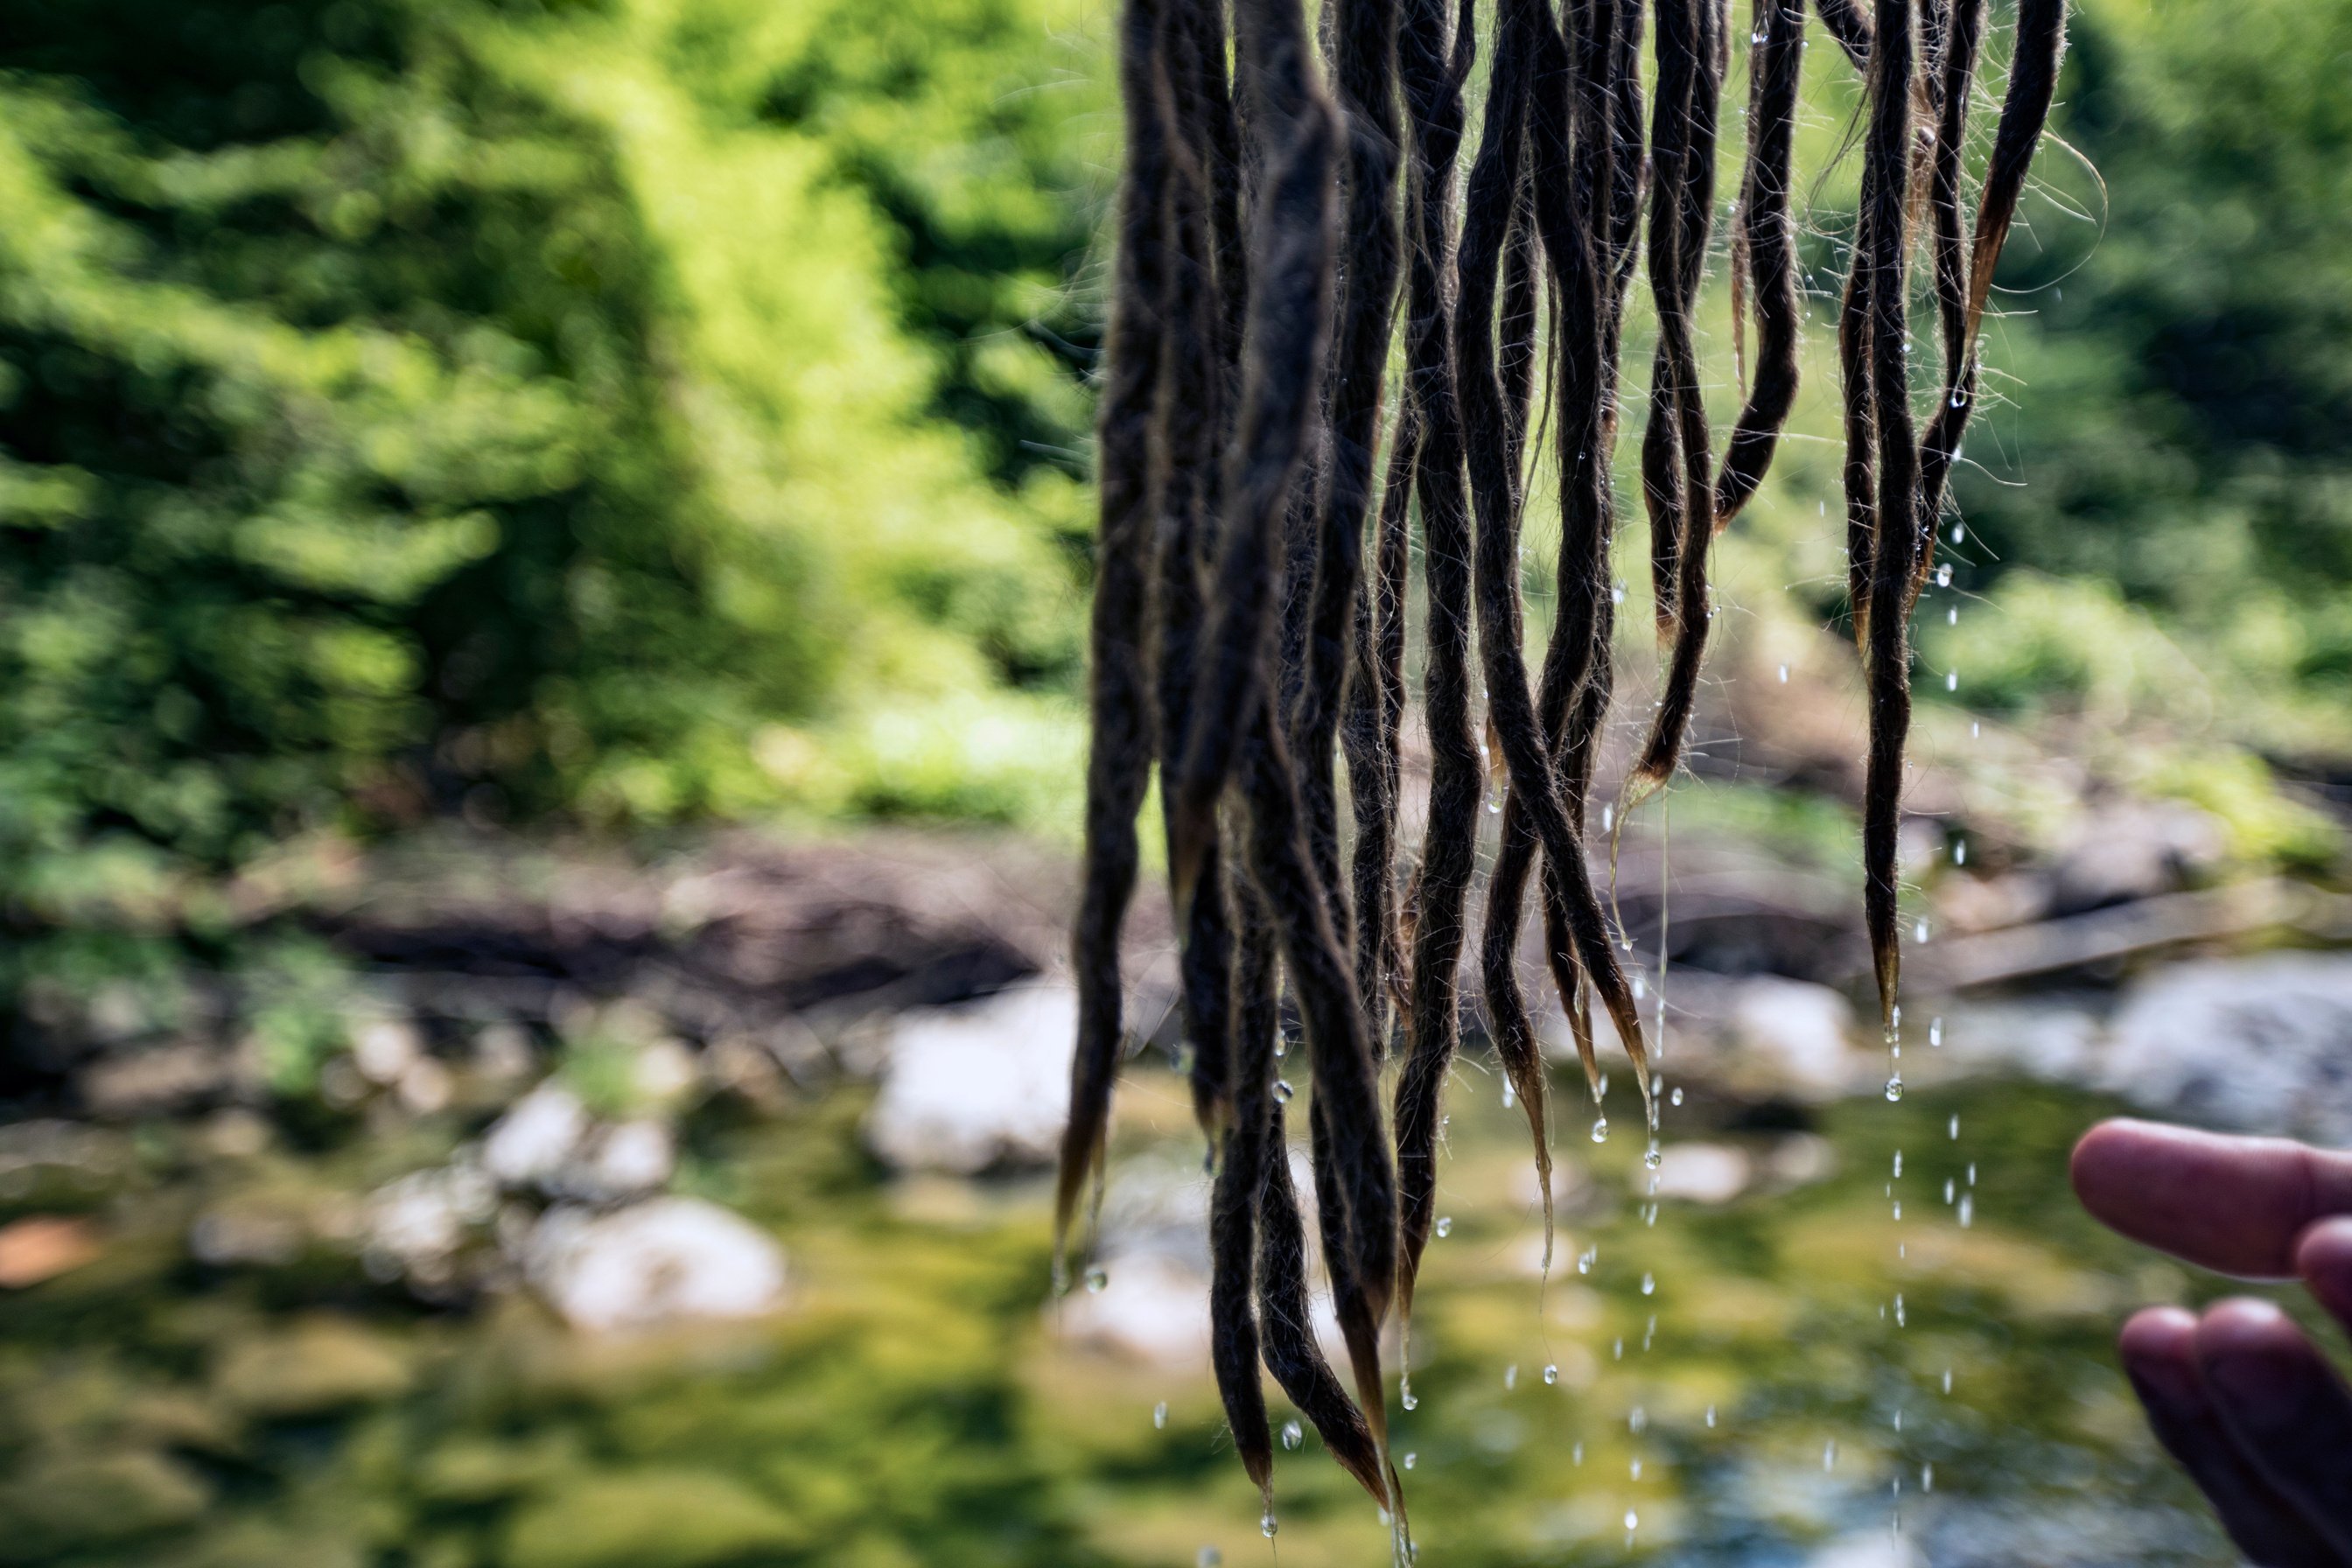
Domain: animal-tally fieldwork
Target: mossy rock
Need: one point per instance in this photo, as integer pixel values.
(317, 1367)
(58, 1506)
(650, 1518)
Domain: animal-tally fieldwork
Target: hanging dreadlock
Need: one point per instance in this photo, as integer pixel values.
(1239, 632)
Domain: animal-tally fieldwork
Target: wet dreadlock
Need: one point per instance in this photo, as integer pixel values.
(1240, 634)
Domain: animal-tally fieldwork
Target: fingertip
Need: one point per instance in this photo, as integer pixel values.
(2158, 1348)
(2322, 1257)
(2253, 1355)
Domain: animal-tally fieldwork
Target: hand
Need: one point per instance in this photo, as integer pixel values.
(2245, 1402)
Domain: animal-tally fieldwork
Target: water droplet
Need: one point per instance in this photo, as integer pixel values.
(1935, 1031)
(1927, 1477)
(1269, 1524)
(1617, 594)
(1972, 1172)
(1951, 680)
(1511, 1375)
(1898, 1162)
(1944, 575)
(1510, 1095)
(1948, 1380)
(1649, 1283)
(1829, 1455)
(1608, 818)
(1446, 1225)
(1710, 1415)
(1282, 1091)
(1919, 931)
(1551, 1372)
(1406, 1396)
(1653, 1156)
(1898, 1421)
(1603, 1092)
(1633, 1519)
(1617, 1348)
(1160, 1414)
(1894, 1087)
(1601, 1129)
(1959, 531)
(1410, 1459)
(1898, 1208)
(1209, 1557)
(1494, 803)
(1676, 1097)
(1898, 1310)
(1637, 1420)
(1947, 1189)
(1952, 1127)
(1641, 987)
(1587, 1258)
(1976, 729)
(1960, 398)
(1960, 853)
(1967, 1210)
(1293, 1435)
(1097, 1278)
(1636, 1471)
(1784, 675)
(1951, 615)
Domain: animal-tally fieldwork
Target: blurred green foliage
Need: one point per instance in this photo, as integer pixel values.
(416, 403)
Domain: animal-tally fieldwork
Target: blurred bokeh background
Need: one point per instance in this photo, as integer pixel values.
(542, 553)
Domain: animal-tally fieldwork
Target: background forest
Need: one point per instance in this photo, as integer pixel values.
(596, 457)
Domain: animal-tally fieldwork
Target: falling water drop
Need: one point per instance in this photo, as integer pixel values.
(1617, 594)
(1633, 1521)
(1960, 853)
(1551, 1372)
(1209, 1557)
(1898, 1208)
(1944, 575)
(1293, 1435)
(1898, 1421)
(1511, 1375)
(1653, 1156)
(1160, 1414)
(1601, 1129)
(1634, 1470)
(1784, 675)
(1676, 1098)
(1972, 1172)
(1649, 1283)
(1617, 1348)
(1710, 1415)
(1446, 1225)
(1953, 1127)
(1894, 1087)
(1410, 1459)
(1898, 1308)
(1097, 1278)
(1608, 818)
(1951, 680)
(1935, 1031)
(1951, 615)
(1282, 1091)
(1928, 1477)
(1967, 1210)
(1960, 398)
(1898, 1164)
(1948, 1380)
(1269, 1524)
(1829, 1455)
(1637, 1420)
(1919, 931)
(1959, 531)
(1947, 1190)
(1641, 987)
(1510, 1095)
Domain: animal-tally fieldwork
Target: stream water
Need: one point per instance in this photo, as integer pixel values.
(1796, 1372)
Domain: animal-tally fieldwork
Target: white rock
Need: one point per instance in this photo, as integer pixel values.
(536, 1137)
(1700, 1173)
(964, 1089)
(384, 1048)
(659, 1261)
(1797, 1032)
(1150, 1307)
(1873, 1548)
(625, 1161)
(417, 1222)
(2257, 1043)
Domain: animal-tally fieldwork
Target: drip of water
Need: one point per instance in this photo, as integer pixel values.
(1784, 675)
(1551, 1372)
(1898, 1310)
(1944, 575)
(1282, 1091)
(1637, 1420)
(1411, 1459)
(1967, 1210)
(1635, 1469)
(1511, 1375)
(1601, 1129)
(1953, 1127)
(1898, 1164)
(1293, 1435)
(1159, 1414)
(1829, 1455)
(1951, 680)
(1268, 1525)
(1097, 1278)
(1710, 1416)
(1894, 1087)
(1446, 1225)
(1649, 1284)
(1676, 1098)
